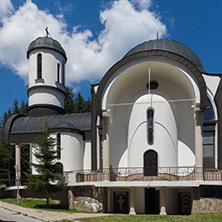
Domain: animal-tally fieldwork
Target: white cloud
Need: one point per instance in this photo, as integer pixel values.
(124, 27)
(142, 4)
(6, 8)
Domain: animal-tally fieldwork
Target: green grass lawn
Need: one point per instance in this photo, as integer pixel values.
(54, 206)
(156, 218)
(38, 204)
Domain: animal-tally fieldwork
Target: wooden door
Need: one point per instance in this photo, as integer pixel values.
(150, 163)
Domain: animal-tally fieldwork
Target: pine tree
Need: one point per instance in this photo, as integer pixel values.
(79, 104)
(5, 158)
(48, 177)
(23, 108)
(76, 104)
(15, 107)
(69, 100)
(88, 106)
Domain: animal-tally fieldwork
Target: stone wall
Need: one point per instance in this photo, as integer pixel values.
(207, 205)
(86, 198)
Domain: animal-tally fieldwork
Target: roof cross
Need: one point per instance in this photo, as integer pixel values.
(47, 31)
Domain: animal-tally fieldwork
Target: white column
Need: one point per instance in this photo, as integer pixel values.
(198, 138)
(163, 201)
(106, 159)
(18, 158)
(132, 201)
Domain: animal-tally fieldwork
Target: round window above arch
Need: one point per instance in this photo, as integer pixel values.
(153, 85)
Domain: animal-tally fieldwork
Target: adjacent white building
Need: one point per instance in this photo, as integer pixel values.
(151, 143)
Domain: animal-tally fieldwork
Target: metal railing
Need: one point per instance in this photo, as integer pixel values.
(149, 174)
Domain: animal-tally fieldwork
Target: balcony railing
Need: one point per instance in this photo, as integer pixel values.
(149, 174)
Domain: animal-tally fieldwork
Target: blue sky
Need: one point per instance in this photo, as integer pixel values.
(97, 33)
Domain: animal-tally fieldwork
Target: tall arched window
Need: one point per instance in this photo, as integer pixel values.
(39, 66)
(58, 72)
(150, 113)
(58, 145)
(63, 73)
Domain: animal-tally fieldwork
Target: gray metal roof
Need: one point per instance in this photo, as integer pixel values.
(170, 46)
(18, 124)
(46, 42)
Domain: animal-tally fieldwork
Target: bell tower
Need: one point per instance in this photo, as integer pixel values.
(46, 88)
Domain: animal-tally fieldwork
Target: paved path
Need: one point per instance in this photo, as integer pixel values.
(43, 215)
(7, 215)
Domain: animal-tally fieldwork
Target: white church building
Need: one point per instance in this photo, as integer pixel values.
(151, 143)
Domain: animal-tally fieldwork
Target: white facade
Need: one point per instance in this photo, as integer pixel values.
(152, 137)
(51, 80)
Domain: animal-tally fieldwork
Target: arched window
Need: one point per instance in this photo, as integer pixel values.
(63, 73)
(59, 168)
(150, 114)
(39, 66)
(58, 72)
(58, 145)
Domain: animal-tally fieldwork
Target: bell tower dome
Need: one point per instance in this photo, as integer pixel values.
(46, 88)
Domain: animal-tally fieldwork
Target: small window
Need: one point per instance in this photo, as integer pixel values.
(150, 114)
(58, 72)
(59, 145)
(59, 168)
(39, 66)
(208, 144)
(152, 85)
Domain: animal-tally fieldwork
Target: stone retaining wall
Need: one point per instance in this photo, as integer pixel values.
(207, 205)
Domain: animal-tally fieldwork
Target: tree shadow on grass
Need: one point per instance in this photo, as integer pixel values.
(51, 207)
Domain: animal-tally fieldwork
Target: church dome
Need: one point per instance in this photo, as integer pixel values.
(48, 43)
(169, 46)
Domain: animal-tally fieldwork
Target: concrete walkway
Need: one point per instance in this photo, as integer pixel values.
(44, 215)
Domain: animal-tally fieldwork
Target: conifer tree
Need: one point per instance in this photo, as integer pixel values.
(23, 108)
(69, 100)
(48, 179)
(15, 107)
(79, 104)
(4, 163)
(88, 106)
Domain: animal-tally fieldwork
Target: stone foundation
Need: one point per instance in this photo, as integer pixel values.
(207, 205)
(87, 198)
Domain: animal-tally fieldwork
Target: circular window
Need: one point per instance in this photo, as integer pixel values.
(153, 85)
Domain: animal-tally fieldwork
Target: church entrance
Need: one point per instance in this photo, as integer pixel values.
(120, 202)
(152, 201)
(150, 163)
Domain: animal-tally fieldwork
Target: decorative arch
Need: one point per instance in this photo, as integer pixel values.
(154, 54)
